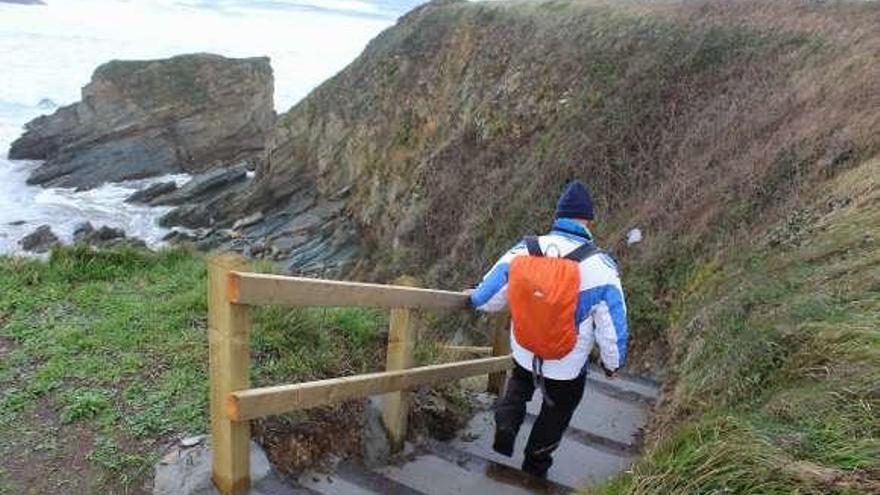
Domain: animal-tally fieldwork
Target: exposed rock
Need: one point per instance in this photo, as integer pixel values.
(152, 192)
(192, 441)
(247, 221)
(207, 201)
(46, 104)
(191, 216)
(286, 243)
(83, 231)
(104, 237)
(16, 223)
(374, 439)
(456, 128)
(40, 240)
(255, 249)
(139, 119)
(178, 236)
(204, 185)
(186, 469)
(106, 233)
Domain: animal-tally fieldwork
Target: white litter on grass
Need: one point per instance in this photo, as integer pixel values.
(634, 236)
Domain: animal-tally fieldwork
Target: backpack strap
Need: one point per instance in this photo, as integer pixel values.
(533, 246)
(583, 252)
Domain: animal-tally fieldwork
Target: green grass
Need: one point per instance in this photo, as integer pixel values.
(774, 381)
(105, 353)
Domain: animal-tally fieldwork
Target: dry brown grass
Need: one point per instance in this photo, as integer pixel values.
(821, 98)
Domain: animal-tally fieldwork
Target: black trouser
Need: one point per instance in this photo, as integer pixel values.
(550, 424)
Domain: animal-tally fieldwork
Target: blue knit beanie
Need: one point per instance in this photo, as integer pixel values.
(575, 202)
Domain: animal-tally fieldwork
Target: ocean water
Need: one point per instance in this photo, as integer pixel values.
(48, 52)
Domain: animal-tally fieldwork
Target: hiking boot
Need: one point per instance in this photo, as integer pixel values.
(538, 471)
(537, 464)
(504, 442)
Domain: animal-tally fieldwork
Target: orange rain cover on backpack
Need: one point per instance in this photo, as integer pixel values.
(543, 296)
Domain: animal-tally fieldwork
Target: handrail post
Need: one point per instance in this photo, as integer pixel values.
(401, 344)
(229, 368)
(500, 347)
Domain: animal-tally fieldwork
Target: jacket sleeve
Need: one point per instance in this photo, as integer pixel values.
(491, 294)
(609, 317)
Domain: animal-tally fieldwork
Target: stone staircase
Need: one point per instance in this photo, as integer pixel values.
(599, 444)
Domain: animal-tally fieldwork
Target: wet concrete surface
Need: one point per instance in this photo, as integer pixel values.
(601, 442)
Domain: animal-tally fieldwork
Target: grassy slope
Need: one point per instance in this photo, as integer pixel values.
(688, 121)
(103, 360)
(775, 376)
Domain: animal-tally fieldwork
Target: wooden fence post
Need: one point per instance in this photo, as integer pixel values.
(229, 368)
(500, 347)
(401, 343)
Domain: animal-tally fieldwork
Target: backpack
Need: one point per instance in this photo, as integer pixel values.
(543, 295)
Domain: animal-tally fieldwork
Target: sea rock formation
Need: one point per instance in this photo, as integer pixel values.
(104, 237)
(40, 240)
(152, 192)
(136, 119)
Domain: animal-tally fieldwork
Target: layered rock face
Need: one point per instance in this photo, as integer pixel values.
(138, 119)
(451, 136)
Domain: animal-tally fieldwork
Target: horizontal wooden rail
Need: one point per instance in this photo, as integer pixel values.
(258, 402)
(256, 288)
(467, 350)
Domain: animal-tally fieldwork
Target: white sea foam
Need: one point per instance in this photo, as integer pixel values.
(47, 53)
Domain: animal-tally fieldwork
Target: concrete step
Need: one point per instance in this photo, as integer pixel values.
(434, 468)
(629, 387)
(275, 484)
(598, 445)
(435, 475)
(601, 415)
(577, 464)
(497, 471)
(352, 478)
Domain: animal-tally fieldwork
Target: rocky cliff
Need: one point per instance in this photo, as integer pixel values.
(741, 137)
(451, 135)
(144, 118)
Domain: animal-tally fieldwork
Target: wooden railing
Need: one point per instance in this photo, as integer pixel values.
(231, 292)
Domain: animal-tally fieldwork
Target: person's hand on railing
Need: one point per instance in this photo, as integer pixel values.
(611, 374)
(469, 303)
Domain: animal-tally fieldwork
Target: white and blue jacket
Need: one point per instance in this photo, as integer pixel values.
(601, 310)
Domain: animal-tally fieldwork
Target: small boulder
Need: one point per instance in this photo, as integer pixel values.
(203, 184)
(178, 236)
(255, 250)
(247, 221)
(186, 469)
(191, 216)
(82, 232)
(152, 193)
(105, 237)
(375, 442)
(40, 240)
(287, 243)
(106, 233)
(189, 442)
